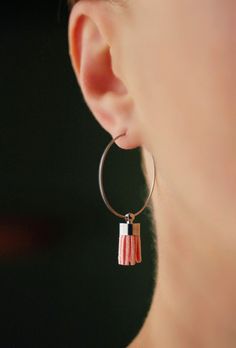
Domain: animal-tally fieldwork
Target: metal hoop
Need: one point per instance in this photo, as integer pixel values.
(101, 186)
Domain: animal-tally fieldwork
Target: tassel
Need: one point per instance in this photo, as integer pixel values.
(129, 244)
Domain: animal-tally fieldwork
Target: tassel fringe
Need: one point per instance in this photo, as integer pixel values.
(129, 250)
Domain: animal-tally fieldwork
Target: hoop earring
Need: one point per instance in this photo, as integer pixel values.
(129, 250)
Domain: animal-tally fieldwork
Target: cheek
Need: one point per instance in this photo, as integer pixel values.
(185, 85)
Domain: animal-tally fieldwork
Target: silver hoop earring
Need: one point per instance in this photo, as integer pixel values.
(129, 250)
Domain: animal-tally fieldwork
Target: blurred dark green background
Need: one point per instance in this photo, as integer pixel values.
(61, 285)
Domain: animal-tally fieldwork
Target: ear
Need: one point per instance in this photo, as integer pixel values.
(91, 35)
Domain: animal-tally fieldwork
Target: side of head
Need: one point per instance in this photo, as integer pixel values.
(164, 72)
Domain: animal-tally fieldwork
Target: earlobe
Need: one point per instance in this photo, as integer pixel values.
(105, 93)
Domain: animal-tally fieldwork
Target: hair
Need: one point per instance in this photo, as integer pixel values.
(71, 3)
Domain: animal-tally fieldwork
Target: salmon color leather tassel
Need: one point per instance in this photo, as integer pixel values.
(129, 252)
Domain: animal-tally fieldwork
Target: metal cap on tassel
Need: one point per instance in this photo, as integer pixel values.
(129, 228)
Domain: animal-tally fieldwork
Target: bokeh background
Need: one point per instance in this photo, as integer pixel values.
(61, 285)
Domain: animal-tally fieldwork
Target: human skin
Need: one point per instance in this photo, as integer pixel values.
(164, 71)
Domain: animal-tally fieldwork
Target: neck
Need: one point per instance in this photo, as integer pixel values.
(194, 303)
